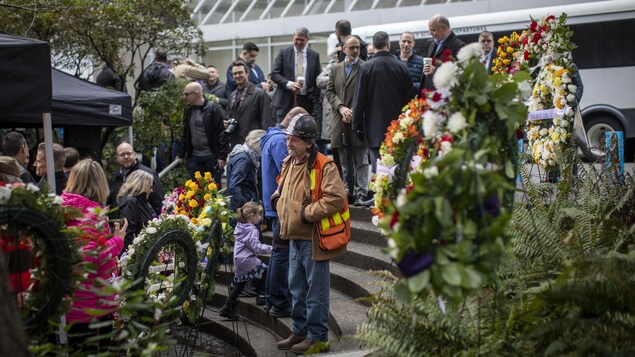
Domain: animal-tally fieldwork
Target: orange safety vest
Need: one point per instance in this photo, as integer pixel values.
(335, 231)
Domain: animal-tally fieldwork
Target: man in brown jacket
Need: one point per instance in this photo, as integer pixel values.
(306, 173)
(339, 92)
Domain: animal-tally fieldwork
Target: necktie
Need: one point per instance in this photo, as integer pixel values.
(299, 67)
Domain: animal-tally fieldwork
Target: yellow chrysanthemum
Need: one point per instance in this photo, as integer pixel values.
(193, 203)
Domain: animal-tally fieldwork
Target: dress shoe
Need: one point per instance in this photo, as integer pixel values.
(228, 312)
(300, 348)
(290, 341)
(276, 312)
(364, 203)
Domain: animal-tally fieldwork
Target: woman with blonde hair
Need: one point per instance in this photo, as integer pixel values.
(134, 205)
(87, 190)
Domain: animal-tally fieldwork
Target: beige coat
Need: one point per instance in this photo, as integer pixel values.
(190, 72)
(297, 219)
(340, 92)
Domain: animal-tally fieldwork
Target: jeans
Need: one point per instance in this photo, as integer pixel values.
(309, 283)
(277, 284)
(205, 164)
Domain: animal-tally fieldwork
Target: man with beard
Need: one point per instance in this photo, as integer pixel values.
(128, 163)
(248, 105)
(352, 151)
(408, 56)
(256, 75)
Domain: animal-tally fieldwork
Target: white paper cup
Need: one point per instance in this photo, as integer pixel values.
(427, 61)
(300, 80)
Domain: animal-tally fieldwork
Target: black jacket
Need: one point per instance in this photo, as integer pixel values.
(60, 182)
(217, 139)
(137, 210)
(118, 177)
(219, 90)
(383, 87)
(452, 43)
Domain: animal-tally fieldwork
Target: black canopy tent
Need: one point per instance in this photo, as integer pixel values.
(25, 76)
(77, 102)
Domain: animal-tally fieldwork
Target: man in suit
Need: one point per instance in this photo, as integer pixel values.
(444, 39)
(290, 63)
(342, 31)
(256, 75)
(384, 86)
(339, 93)
(486, 39)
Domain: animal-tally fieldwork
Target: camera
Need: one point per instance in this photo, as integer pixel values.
(231, 126)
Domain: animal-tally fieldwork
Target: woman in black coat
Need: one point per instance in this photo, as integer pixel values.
(134, 205)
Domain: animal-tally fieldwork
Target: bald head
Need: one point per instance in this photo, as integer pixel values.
(126, 156)
(439, 27)
(292, 113)
(193, 94)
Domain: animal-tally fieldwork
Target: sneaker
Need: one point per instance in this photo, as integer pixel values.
(316, 346)
(360, 202)
(276, 312)
(249, 291)
(290, 341)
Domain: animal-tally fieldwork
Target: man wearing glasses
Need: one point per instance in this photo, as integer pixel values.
(444, 39)
(486, 39)
(205, 144)
(127, 160)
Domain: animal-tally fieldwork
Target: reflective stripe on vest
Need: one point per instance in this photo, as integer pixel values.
(339, 220)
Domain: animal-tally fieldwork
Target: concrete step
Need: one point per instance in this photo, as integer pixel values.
(345, 315)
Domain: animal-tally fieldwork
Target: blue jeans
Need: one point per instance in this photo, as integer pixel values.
(309, 283)
(205, 164)
(277, 283)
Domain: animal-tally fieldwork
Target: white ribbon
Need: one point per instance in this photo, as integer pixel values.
(386, 171)
(548, 113)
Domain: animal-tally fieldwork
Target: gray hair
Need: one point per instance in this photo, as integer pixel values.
(302, 31)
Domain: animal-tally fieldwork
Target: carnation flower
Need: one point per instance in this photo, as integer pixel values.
(445, 75)
(473, 50)
(456, 122)
(430, 119)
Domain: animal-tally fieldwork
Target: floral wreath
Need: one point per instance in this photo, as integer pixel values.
(42, 276)
(130, 262)
(439, 231)
(545, 49)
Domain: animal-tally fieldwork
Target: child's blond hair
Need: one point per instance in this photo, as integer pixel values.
(249, 209)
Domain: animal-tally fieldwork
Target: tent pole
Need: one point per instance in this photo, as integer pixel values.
(50, 161)
(130, 136)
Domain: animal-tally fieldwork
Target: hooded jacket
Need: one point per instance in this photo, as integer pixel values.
(100, 250)
(247, 246)
(274, 150)
(242, 177)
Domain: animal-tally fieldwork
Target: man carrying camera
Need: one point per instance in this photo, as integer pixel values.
(248, 106)
(205, 144)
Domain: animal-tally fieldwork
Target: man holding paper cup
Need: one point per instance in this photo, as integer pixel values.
(295, 71)
(444, 39)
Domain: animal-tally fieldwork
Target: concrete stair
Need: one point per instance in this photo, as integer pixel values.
(352, 280)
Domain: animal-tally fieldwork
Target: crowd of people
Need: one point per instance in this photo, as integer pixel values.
(267, 133)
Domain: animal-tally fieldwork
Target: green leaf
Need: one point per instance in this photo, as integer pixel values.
(451, 274)
(471, 279)
(419, 281)
(509, 169)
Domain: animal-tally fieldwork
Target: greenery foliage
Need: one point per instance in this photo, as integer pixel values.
(565, 288)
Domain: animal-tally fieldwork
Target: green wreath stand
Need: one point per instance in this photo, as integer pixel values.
(57, 254)
(183, 240)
